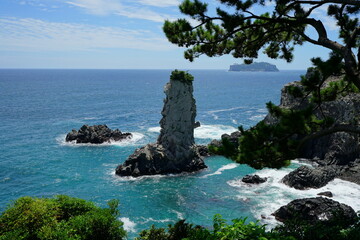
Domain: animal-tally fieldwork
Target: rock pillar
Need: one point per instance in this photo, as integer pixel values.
(175, 150)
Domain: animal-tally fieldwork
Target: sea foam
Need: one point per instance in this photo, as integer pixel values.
(267, 197)
(223, 168)
(206, 131)
(137, 139)
(129, 225)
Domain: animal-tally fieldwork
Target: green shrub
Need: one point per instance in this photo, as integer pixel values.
(61, 217)
(181, 76)
(238, 230)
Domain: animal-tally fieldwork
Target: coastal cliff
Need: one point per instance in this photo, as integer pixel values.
(337, 154)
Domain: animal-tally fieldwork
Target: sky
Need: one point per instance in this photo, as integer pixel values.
(110, 34)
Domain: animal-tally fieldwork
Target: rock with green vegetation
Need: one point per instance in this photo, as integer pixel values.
(175, 150)
(339, 148)
(240, 31)
(254, 67)
(61, 218)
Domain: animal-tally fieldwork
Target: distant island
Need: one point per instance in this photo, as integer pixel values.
(254, 67)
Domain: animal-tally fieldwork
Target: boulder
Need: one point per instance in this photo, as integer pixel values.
(253, 179)
(96, 134)
(351, 172)
(326, 194)
(153, 159)
(305, 177)
(316, 210)
(233, 138)
(175, 150)
(203, 150)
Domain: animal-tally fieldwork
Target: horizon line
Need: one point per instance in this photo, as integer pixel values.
(187, 69)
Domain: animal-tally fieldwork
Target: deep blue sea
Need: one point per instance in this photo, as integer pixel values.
(38, 108)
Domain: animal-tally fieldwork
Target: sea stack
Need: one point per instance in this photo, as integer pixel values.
(175, 150)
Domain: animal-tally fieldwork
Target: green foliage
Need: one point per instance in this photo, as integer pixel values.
(239, 31)
(60, 218)
(266, 145)
(226, 149)
(237, 230)
(273, 145)
(295, 91)
(337, 229)
(181, 76)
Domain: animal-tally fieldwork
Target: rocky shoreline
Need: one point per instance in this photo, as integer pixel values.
(335, 155)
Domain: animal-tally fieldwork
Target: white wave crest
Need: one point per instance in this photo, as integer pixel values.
(179, 215)
(212, 131)
(257, 117)
(206, 131)
(156, 220)
(215, 116)
(220, 170)
(225, 110)
(154, 129)
(134, 141)
(129, 225)
(267, 197)
(155, 178)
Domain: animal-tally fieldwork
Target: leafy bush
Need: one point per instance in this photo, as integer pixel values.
(181, 76)
(226, 149)
(238, 230)
(60, 218)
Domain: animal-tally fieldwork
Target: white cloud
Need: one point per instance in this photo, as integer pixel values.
(107, 7)
(160, 3)
(321, 14)
(28, 34)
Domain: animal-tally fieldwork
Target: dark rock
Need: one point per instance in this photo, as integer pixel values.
(175, 150)
(315, 210)
(253, 179)
(351, 172)
(203, 150)
(215, 143)
(305, 177)
(232, 138)
(152, 159)
(326, 194)
(96, 134)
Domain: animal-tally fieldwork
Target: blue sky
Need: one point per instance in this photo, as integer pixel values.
(120, 34)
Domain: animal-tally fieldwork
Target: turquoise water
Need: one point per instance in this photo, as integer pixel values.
(38, 107)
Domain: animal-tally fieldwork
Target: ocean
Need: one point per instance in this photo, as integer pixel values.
(38, 108)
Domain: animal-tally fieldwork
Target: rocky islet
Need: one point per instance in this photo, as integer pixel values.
(96, 134)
